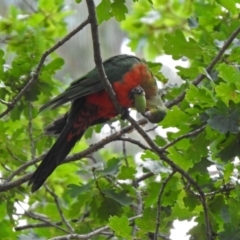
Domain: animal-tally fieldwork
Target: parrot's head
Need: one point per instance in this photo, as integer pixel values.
(156, 110)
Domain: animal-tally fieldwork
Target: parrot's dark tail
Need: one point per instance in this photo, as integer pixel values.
(55, 156)
(56, 127)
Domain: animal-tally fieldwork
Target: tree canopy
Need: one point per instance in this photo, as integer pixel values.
(160, 172)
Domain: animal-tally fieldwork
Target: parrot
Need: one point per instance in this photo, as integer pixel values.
(135, 87)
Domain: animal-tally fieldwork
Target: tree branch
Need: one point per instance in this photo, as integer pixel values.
(187, 135)
(56, 200)
(40, 218)
(175, 167)
(158, 218)
(7, 185)
(36, 73)
(91, 234)
(209, 68)
(97, 55)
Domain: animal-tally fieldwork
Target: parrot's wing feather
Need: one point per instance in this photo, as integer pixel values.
(115, 68)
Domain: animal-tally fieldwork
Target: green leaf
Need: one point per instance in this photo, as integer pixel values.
(119, 9)
(175, 117)
(75, 190)
(228, 92)
(148, 154)
(204, 72)
(148, 221)
(228, 171)
(78, 1)
(108, 207)
(120, 226)
(193, 94)
(176, 45)
(120, 197)
(103, 11)
(6, 230)
(229, 73)
(179, 158)
(112, 167)
(230, 5)
(152, 193)
(127, 173)
(229, 148)
(224, 119)
(230, 232)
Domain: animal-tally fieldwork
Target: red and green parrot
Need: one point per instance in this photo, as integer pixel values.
(135, 87)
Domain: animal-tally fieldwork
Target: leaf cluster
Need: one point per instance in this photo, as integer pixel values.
(114, 193)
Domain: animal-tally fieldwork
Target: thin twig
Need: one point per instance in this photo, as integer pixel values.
(144, 177)
(91, 234)
(209, 68)
(7, 169)
(175, 167)
(56, 200)
(43, 224)
(158, 218)
(22, 168)
(36, 73)
(13, 156)
(125, 153)
(209, 233)
(133, 141)
(7, 185)
(5, 103)
(40, 218)
(30, 130)
(187, 135)
(138, 211)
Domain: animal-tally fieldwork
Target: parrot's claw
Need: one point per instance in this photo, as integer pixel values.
(124, 113)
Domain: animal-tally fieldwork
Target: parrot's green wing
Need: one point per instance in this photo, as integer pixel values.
(115, 67)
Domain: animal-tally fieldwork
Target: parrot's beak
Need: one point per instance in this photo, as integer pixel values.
(156, 110)
(155, 115)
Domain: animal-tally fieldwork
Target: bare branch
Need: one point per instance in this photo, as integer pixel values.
(125, 153)
(144, 177)
(97, 55)
(30, 130)
(133, 141)
(5, 103)
(91, 234)
(43, 224)
(9, 185)
(13, 156)
(20, 169)
(40, 218)
(176, 168)
(56, 200)
(187, 135)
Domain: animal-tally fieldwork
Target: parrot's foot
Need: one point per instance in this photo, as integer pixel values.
(124, 113)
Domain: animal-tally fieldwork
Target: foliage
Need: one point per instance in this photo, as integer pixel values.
(121, 197)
